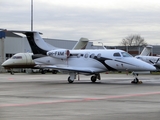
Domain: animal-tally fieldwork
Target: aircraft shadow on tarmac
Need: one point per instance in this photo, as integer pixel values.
(87, 82)
(102, 82)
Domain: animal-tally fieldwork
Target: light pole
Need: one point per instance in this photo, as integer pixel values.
(31, 15)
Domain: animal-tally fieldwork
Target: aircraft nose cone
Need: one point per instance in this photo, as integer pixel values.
(144, 66)
(150, 67)
(6, 63)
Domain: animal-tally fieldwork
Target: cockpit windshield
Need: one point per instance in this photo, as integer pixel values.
(125, 54)
(17, 57)
(117, 54)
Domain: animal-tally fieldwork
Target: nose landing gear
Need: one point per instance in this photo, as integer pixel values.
(136, 80)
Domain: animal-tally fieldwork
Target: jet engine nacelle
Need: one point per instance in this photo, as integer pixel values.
(60, 53)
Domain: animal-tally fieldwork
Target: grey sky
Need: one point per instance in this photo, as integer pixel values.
(108, 20)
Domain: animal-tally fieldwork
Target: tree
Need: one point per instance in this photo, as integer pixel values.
(133, 40)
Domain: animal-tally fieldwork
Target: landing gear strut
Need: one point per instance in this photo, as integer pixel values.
(136, 80)
(12, 73)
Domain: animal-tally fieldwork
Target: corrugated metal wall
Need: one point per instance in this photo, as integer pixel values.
(13, 45)
(67, 44)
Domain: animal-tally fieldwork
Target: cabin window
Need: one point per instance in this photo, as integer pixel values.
(17, 57)
(99, 55)
(117, 54)
(92, 55)
(125, 54)
(86, 55)
(74, 55)
(79, 55)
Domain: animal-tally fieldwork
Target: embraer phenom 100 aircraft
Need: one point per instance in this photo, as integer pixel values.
(87, 62)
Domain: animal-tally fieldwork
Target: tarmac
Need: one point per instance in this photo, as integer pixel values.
(51, 97)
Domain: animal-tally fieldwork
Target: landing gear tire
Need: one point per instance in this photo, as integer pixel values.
(69, 80)
(93, 79)
(136, 81)
(54, 72)
(12, 73)
(43, 72)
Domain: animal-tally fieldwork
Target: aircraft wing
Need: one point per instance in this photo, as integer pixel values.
(71, 69)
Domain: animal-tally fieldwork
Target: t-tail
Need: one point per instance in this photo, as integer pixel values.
(81, 44)
(146, 51)
(37, 44)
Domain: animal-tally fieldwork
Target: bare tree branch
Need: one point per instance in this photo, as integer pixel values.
(133, 40)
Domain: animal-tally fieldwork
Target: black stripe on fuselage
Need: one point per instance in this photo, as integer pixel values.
(102, 60)
(124, 62)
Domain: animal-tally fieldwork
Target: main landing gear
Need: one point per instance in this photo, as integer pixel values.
(42, 71)
(11, 72)
(72, 77)
(95, 77)
(136, 80)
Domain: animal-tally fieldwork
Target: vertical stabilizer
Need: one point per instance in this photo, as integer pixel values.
(146, 51)
(81, 44)
(37, 44)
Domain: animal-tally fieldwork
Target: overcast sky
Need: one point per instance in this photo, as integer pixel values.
(108, 21)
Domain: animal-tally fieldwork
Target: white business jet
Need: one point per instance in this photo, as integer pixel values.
(87, 62)
(144, 56)
(24, 60)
